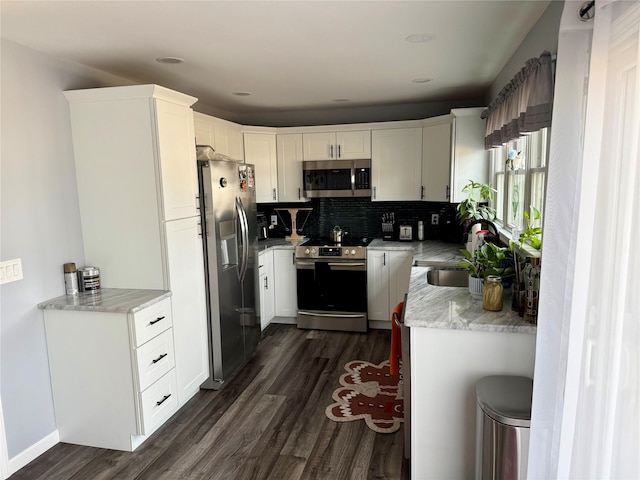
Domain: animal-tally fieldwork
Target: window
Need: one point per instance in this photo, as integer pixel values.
(518, 173)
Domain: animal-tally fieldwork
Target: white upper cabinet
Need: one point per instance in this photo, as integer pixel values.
(344, 145)
(396, 164)
(260, 150)
(141, 139)
(177, 159)
(290, 185)
(224, 136)
(469, 159)
(452, 154)
(436, 160)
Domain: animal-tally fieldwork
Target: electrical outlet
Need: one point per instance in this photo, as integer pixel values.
(10, 270)
(274, 220)
(435, 219)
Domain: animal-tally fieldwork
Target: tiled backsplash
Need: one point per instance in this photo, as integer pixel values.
(361, 217)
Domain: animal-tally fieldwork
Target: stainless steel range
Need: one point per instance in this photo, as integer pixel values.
(332, 284)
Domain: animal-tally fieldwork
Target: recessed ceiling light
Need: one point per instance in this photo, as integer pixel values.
(419, 38)
(341, 100)
(241, 94)
(170, 60)
(422, 80)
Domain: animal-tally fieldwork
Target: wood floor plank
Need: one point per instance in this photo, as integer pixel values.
(266, 423)
(58, 463)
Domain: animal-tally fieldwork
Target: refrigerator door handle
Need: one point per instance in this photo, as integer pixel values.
(244, 238)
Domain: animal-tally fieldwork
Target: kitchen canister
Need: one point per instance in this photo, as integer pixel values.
(70, 278)
(89, 279)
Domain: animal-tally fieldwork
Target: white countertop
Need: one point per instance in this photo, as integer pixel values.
(112, 300)
(453, 308)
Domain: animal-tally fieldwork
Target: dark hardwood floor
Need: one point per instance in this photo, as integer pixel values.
(267, 422)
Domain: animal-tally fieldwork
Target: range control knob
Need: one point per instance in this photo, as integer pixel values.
(313, 251)
(306, 252)
(346, 251)
(353, 252)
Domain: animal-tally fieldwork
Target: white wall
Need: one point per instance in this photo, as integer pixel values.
(40, 222)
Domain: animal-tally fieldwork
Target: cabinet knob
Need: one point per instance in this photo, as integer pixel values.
(339, 151)
(331, 151)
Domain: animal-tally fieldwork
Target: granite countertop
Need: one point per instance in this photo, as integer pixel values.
(453, 308)
(111, 300)
(432, 252)
(277, 243)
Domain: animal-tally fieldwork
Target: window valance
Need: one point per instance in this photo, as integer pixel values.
(523, 105)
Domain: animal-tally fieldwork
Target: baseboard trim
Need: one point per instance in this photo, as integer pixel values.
(284, 320)
(33, 452)
(380, 324)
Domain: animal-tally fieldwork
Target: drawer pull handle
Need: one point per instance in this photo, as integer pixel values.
(153, 322)
(164, 399)
(160, 358)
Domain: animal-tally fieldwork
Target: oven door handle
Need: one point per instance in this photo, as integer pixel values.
(332, 315)
(304, 264)
(345, 264)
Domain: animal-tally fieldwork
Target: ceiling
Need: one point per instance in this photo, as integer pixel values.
(288, 55)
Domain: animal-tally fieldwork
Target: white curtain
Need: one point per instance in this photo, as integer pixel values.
(586, 402)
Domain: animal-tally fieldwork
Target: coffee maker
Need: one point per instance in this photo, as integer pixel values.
(263, 226)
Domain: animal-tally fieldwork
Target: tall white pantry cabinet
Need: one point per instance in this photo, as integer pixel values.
(134, 151)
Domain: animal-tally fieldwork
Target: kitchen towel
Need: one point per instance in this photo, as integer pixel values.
(396, 340)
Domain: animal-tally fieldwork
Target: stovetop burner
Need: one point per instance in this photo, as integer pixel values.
(347, 242)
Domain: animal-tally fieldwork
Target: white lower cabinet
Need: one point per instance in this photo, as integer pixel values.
(445, 367)
(266, 288)
(112, 374)
(186, 281)
(284, 270)
(388, 273)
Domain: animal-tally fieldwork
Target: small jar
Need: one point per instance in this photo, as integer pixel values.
(492, 293)
(70, 278)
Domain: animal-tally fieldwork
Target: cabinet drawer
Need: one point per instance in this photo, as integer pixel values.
(158, 402)
(151, 321)
(154, 359)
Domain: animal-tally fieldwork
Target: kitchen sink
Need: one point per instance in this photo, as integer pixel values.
(448, 277)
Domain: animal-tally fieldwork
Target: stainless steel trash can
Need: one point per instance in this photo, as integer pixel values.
(503, 421)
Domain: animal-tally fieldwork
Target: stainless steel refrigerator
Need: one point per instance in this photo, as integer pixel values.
(229, 232)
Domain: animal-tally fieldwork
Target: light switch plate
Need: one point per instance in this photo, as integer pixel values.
(11, 270)
(274, 220)
(435, 219)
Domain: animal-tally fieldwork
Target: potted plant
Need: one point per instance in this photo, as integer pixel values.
(475, 207)
(489, 259)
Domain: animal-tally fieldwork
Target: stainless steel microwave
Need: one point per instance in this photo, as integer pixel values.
(337, 178)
